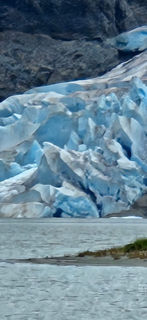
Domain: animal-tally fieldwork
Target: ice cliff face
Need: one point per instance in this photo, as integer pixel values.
(79, 148)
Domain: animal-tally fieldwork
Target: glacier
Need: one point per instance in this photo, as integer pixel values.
(134, 40)
(77, 149)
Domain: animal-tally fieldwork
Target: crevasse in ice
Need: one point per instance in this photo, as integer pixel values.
(76, 149)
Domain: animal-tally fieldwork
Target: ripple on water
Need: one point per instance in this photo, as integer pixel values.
(70, 293)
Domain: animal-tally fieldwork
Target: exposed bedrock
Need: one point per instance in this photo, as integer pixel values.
(66, 19)
(49, 41)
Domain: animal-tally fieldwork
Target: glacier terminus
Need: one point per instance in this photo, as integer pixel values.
(78, 149)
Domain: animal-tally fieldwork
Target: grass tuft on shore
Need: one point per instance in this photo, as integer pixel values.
(137, 249)
(139, 244)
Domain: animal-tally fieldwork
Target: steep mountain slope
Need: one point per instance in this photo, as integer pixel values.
(49, 41)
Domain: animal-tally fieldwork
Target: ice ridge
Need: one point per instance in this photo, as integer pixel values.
(76, 149)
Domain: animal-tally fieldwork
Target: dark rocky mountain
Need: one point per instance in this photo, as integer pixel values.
(48, 41)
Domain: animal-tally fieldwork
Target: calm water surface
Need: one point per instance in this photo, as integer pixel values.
(31, 292)
(56, 237)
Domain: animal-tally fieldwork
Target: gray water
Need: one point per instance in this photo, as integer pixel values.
(31, 292)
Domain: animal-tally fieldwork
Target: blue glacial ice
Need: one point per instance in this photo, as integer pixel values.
(76, 149)
(134, 40)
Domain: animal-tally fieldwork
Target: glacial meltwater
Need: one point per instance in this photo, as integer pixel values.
(54, 292)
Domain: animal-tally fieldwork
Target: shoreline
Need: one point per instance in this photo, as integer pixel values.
(82, 261)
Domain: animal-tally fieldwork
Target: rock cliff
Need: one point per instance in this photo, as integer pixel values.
(49, 41)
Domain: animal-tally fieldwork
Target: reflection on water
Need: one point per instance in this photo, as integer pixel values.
(50, 292)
